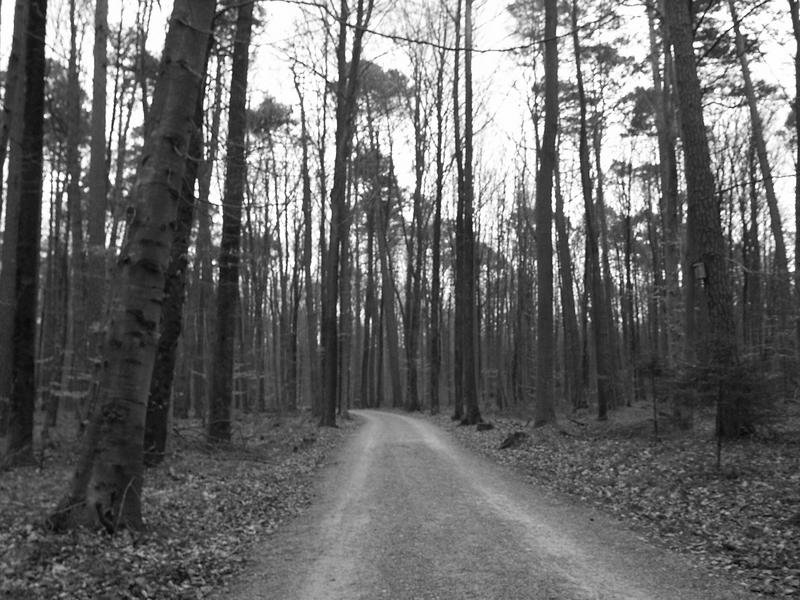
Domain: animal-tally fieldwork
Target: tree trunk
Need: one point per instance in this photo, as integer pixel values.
(465, 293)
(74, 355)
(718, 351)
(458, 284)
(219, 420)
(416, 251)
(544, 410)
(311, 317)
(98, 187)
(434, 339)
(794, 9)
(346, 94)
(670, 295)
(783, 302)
(14, 111)
(19, 447)
(106, 488)
(572, 352)
(596, 291)
(158, 403)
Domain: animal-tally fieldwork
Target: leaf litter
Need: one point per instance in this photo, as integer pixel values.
(204, 509)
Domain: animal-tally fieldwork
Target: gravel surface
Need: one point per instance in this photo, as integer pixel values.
(405, 513)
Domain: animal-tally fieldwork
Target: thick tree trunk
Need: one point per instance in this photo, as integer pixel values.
(466, 248)
(219, 419)
(19, 448)
(13, 109)
(718, 351)
(106, 488)
(544, 409)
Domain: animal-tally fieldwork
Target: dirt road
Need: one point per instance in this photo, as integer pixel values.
(404, 513)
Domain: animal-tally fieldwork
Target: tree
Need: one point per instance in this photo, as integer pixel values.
(346, 95)
(466, 393)
(219, 420)
(544, 411)
(718, 351)
(98, 184)
(156, 422)
(13, 107)
(595, 288)
(783, 278)
(23, 367)
(105, 490)
(794, 8)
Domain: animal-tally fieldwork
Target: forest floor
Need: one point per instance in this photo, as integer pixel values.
(742, 519)
(204, 508)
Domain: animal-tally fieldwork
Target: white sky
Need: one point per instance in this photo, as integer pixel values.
(500, 85)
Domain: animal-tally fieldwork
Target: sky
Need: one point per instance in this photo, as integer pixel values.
(500, 83)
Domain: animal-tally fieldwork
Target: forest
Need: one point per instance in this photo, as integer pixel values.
(217, 215)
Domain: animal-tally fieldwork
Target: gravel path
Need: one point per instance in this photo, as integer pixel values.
(404, 513)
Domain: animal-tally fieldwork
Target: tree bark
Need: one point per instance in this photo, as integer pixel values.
(668, 172)
(459, 315)
(161, 383)
(544, 408)
(466, 330)
(107, 484)
(436, 250)
(74, 344)
(794, 9)
(346, 94)
(219, 419)
(311, 317)
(14, 105)
(718, 350)
(98, 187)
(572, 352)
(19, 446)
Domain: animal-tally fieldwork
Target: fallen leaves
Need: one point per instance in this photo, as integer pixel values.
(743, 518)
(204, 511)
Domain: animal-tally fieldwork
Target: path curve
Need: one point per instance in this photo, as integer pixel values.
(405, 513)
